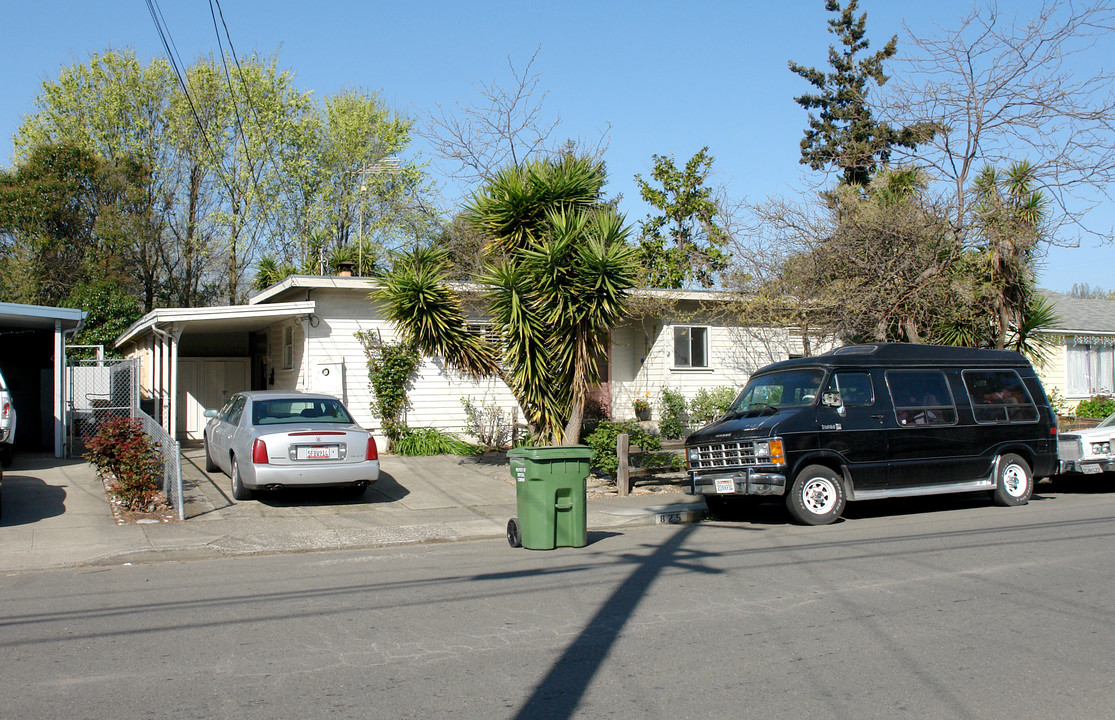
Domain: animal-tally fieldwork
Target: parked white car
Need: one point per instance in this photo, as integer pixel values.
(274, 439)
(7, 423)
(1088, 451)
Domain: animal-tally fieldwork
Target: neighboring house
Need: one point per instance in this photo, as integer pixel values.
(299, 334)
(1083, 364)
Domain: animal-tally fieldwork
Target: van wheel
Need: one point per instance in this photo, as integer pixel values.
(6, 455)
(1015, 483)
(816, 497)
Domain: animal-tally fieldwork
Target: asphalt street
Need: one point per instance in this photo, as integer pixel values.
(945, 608)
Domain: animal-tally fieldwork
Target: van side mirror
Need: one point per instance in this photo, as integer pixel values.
(831, 399)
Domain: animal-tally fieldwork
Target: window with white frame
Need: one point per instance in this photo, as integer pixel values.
(288, 347)
(1090, 369)
(690, 346)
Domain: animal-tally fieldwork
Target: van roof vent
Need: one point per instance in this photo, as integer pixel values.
(856, 350)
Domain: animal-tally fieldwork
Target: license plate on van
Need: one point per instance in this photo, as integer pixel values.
(725, 485)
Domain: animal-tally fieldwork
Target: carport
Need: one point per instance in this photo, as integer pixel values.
(33, 360)
(191, 358)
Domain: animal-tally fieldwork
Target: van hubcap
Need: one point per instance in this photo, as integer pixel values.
(1014, 481)
(818, 496)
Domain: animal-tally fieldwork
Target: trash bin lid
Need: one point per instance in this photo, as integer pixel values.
(552, 452)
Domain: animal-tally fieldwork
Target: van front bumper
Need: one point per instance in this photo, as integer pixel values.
(743, 482)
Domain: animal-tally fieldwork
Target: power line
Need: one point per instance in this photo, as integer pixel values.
(175, 60)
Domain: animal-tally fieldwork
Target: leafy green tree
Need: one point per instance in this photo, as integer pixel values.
(843, 132)
(111, 310)
(559, 271)
(240, 165)
(684, 242)
(68, 218)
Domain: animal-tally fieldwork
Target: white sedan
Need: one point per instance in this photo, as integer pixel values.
(274, 439)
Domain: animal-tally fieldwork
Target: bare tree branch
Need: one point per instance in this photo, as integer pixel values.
(1003, 90)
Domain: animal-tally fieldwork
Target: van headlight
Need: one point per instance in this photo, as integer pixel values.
(770, 451)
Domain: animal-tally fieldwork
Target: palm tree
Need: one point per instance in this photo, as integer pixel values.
(558, 272)
(1010, 214)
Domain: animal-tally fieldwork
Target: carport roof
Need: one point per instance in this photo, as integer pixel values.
(39, 316)
(229, 318)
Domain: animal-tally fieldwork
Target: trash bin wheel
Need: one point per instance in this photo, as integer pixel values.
(514, 536)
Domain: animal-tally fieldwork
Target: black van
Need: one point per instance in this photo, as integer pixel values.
(875, 421)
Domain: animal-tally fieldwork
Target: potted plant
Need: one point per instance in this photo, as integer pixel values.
(642, 408)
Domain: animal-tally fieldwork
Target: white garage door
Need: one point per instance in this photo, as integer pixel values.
(206, 383)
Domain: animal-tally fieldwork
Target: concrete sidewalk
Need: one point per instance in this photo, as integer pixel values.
(56, 514)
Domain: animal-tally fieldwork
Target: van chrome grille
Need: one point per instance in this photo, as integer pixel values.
(737, 453)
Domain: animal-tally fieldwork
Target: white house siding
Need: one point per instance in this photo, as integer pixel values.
(1052, 375)
(643, 360)
(434, 396)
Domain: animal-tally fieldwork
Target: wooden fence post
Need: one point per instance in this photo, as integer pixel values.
(623, 471)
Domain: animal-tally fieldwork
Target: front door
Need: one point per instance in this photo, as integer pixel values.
(856, 430)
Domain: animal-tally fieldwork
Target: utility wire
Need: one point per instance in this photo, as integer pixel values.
(175, 61)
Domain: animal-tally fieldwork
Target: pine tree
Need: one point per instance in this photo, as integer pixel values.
(843, 132)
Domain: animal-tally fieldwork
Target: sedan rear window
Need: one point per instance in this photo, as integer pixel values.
(299, 410)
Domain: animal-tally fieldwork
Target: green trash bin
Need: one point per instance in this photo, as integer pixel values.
(549, 497)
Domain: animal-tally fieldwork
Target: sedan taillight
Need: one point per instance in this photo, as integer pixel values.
(372, 452)
(259, 452)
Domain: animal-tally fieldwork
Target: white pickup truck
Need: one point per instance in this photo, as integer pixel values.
(7, 423)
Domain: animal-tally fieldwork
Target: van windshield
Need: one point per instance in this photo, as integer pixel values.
(789, 388)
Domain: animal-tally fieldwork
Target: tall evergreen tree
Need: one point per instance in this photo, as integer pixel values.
(843, 132)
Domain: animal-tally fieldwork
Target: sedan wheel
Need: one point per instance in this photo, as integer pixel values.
(210, 466)
(239, 492)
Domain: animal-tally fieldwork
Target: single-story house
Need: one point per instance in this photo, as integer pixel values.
(299, 334)
(33, 360)
(1083, 363)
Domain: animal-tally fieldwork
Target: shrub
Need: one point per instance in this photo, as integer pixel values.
(1100, 406)
(124, 454)
(390, 368)
(671, 410)
(709, 405)
(603, 443)
(431, 441)
(488, 424)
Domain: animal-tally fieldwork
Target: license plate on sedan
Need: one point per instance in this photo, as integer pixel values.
(1090, 469)
(317, 452)
(725, 485)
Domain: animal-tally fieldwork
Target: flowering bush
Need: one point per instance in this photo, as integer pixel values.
(126, 456)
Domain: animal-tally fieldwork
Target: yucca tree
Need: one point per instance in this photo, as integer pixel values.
(558, 273)
(1010, 215)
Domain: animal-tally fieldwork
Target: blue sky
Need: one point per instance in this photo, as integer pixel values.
(669, 77)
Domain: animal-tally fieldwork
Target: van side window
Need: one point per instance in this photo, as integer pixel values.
(921, 397)
(999, 396)
(854, 388)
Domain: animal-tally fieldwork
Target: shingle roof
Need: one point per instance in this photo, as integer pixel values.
(1077, 316)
